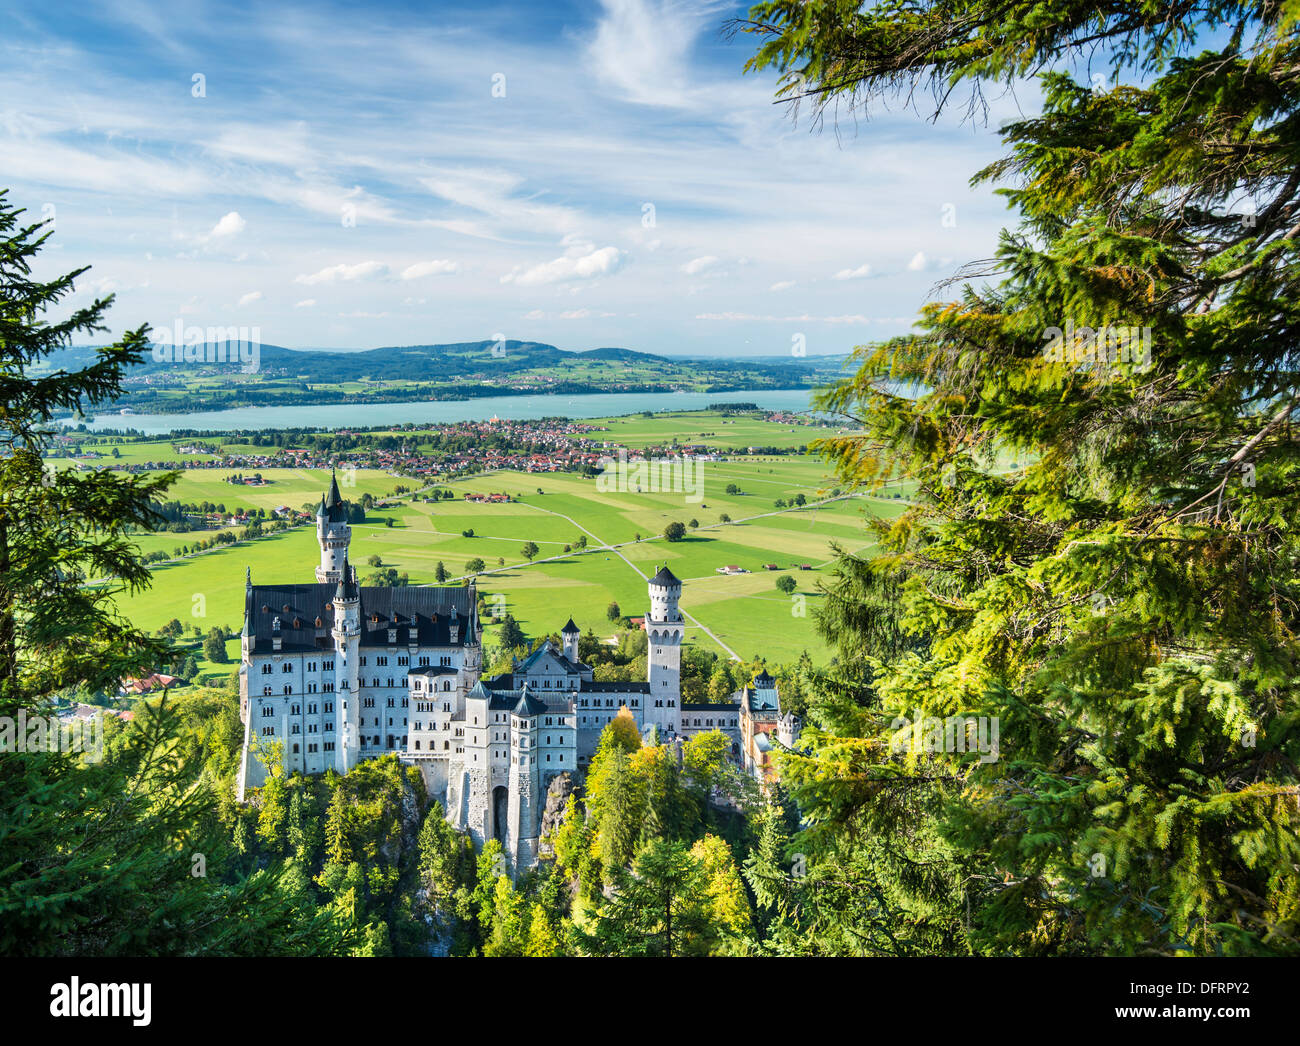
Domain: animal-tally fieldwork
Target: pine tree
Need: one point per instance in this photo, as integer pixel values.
(657, 909)
(98, 852)
(1099, 556)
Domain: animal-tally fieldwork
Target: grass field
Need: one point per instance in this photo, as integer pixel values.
(743, 615)
(711, 427)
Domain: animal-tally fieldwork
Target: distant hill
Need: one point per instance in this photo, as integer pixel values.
(477, 359)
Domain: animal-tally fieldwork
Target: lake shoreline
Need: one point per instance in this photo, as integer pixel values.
(527, 407)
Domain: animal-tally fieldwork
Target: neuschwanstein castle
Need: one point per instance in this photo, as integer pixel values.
(336, 673)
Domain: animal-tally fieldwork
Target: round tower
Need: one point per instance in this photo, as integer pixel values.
(665, 630)
(347, 642)
(569, 633)
(333, 534)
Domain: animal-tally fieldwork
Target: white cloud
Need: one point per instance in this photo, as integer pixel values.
(230, 225)
(575, 314)
(642, 48)
(918, 262)
(249, 298)
(783, 285)
(536, 314)
(365, 270)
(698, 265)
(306, 303)
(601, 262)
(860, 273)
(429, 268)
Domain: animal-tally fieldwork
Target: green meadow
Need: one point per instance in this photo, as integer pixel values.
(744, 615)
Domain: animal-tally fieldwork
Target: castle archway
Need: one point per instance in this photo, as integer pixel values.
(500, 809)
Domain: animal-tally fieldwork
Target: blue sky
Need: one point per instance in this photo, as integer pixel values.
(349, 177)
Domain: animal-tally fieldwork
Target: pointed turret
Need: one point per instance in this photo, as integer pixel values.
(332, 532)
(569, 633)
(331, 504)
(347, 586)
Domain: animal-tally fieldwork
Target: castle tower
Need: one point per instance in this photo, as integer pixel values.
(524, 783)
(665, 630)
(333, 534)
(472, 658)
(569, 633)
(347, 642)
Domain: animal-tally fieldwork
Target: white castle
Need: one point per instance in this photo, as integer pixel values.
(334, 673)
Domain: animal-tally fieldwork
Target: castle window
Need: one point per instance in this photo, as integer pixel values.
(266, 691)
(287, 667)
(267, 711)
(288, 689)
(328, 746)
(266, 669)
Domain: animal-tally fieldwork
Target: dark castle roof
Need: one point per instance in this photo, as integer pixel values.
(423, 612)
(522, 701)
(569, 629)
(347, 587)
(331, 504)
(547, 649)
(528, 705)
(665, 578)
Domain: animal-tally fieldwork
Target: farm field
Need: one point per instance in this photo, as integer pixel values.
(292, 487)
(743, 615)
